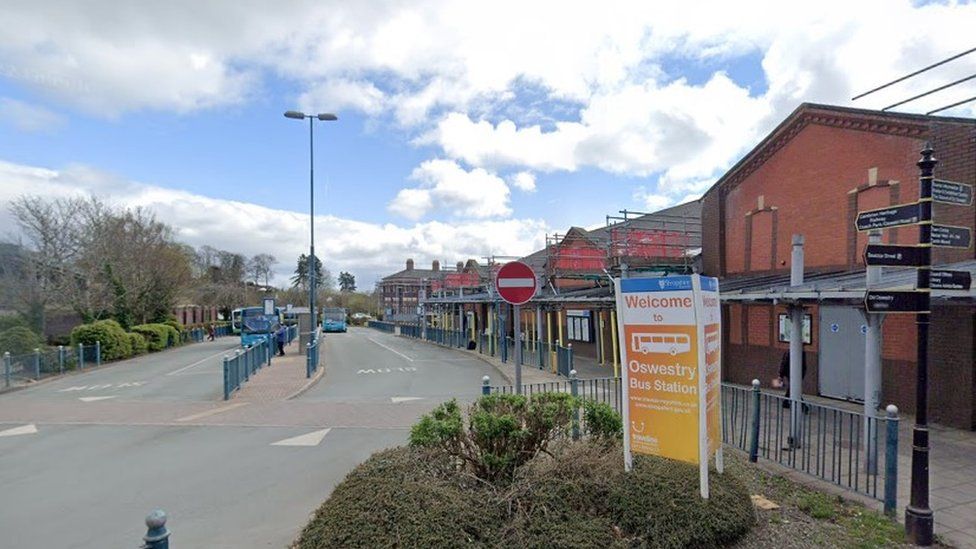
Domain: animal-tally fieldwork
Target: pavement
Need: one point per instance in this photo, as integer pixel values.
(85, 457)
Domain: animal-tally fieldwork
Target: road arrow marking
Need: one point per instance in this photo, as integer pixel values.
(22, 430)
(93, 399)
(308, 439)
(397, 400)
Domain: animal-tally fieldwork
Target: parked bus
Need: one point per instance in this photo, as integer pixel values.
(235, 321)
(255, 325)
(334, 319)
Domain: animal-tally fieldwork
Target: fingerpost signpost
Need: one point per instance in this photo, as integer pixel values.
(516, 283)
(671, 342)
(919, 518)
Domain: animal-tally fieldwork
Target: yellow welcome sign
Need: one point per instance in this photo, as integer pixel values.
(671, 347)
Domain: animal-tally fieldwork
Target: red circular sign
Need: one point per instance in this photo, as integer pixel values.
(515, 283)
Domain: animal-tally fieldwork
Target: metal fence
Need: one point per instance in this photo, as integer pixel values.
(49, 361)
(382, 326)
(239, 367)
(830, 443)
(312, 356)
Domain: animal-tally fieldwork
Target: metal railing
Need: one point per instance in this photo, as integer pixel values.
(239, 367)
(49, 361)
(312, 356)
(382, 326)
(830, 442)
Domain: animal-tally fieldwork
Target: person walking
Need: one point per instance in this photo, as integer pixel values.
(784, 377)
(212, 332)
(280, 337)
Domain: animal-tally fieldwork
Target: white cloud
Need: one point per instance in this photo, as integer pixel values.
(524, 181)
(446, 186)
(653, 202)
(27, 117)
(367, 250)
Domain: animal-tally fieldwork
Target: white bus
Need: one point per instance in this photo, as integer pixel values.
(672, 344)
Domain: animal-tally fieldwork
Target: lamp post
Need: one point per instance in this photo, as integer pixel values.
(324, 117)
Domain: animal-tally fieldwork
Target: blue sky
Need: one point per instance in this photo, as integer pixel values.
(461, 132)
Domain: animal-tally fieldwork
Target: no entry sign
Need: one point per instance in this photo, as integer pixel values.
(515, 282)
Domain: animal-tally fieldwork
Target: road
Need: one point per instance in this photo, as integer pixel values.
(238, 474)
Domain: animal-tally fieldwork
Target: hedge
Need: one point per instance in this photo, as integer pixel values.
(139, 345)
(156, 335)
(114, 341)
(19, 340)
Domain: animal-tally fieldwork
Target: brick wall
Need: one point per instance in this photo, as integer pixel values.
(952, 366)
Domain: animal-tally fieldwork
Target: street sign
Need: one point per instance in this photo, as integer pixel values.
(949, 236)
(950, 280)
(516, 283)
(894, 302)
(892, 216)
(878, 255)
(269, 306)
(950, 192)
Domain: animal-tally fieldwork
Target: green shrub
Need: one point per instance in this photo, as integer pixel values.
(172, 335)
(173, 323)
(504, 431)
(19, 340)
(601, 421)
(114, 341)
(138, 342)
(156, 335)
(579, 496)
(11, 321)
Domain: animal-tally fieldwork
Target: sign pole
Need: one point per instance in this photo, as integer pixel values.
(918, 516)
(517, 320)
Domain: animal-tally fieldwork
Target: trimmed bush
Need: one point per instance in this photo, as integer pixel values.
(138, 342)
(156, 335)
(580, 496)
(114, 341)
(601, 421)
(10, 321)
(19, 340)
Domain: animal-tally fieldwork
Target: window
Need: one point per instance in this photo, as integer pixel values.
(578, 326)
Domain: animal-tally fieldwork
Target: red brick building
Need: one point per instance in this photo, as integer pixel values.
(811, 176)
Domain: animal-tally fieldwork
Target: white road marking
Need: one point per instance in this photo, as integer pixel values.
(94, 399)
(386, 370)
(308, 439)
(397, 400)
(103, 386)
(389, 349)
(22, 430)
(213, 412)
(199, 362)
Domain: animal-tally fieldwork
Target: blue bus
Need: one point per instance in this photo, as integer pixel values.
(334, 319)
(255, 325)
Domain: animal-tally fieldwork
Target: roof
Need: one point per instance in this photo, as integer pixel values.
(886, 122)
(836, 285)
(413, 274)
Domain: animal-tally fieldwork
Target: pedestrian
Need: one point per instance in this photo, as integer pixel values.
(784, 377)
(280, 337)
(212, 332)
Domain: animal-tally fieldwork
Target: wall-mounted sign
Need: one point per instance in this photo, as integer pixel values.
(784, 328)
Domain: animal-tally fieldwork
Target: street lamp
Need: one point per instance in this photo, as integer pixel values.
(324, 117)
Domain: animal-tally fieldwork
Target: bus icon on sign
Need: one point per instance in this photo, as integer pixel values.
(672, 344)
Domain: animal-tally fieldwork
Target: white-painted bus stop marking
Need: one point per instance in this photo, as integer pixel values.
(95, 399)
(213, 412)
(386, 370)
(308, 439)
(397, 400)
(22, 430)
(102, 386)
(516, 283)
(199, 362)
(394, 351)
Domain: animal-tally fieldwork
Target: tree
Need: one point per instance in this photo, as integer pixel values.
(300, 278)
(347, 282)
(261, 267)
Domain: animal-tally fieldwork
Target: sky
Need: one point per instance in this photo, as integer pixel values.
(465, 129)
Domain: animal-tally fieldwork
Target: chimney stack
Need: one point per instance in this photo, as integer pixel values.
(409, 264)
(460, 266)
(435, 266)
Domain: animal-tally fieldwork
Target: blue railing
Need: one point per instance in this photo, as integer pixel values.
(239, 367)
(312, 356)
(381, 326)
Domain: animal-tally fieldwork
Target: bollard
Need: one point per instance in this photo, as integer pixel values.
(754, 439)
(485, 387)
(81, 356)
(6, 369)
(98, 353)
(157, 536)
(574, 390)
(308, 360)
(569, 356)
(37, 364)
(60, 359)
(226, 378)
(891, 462)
